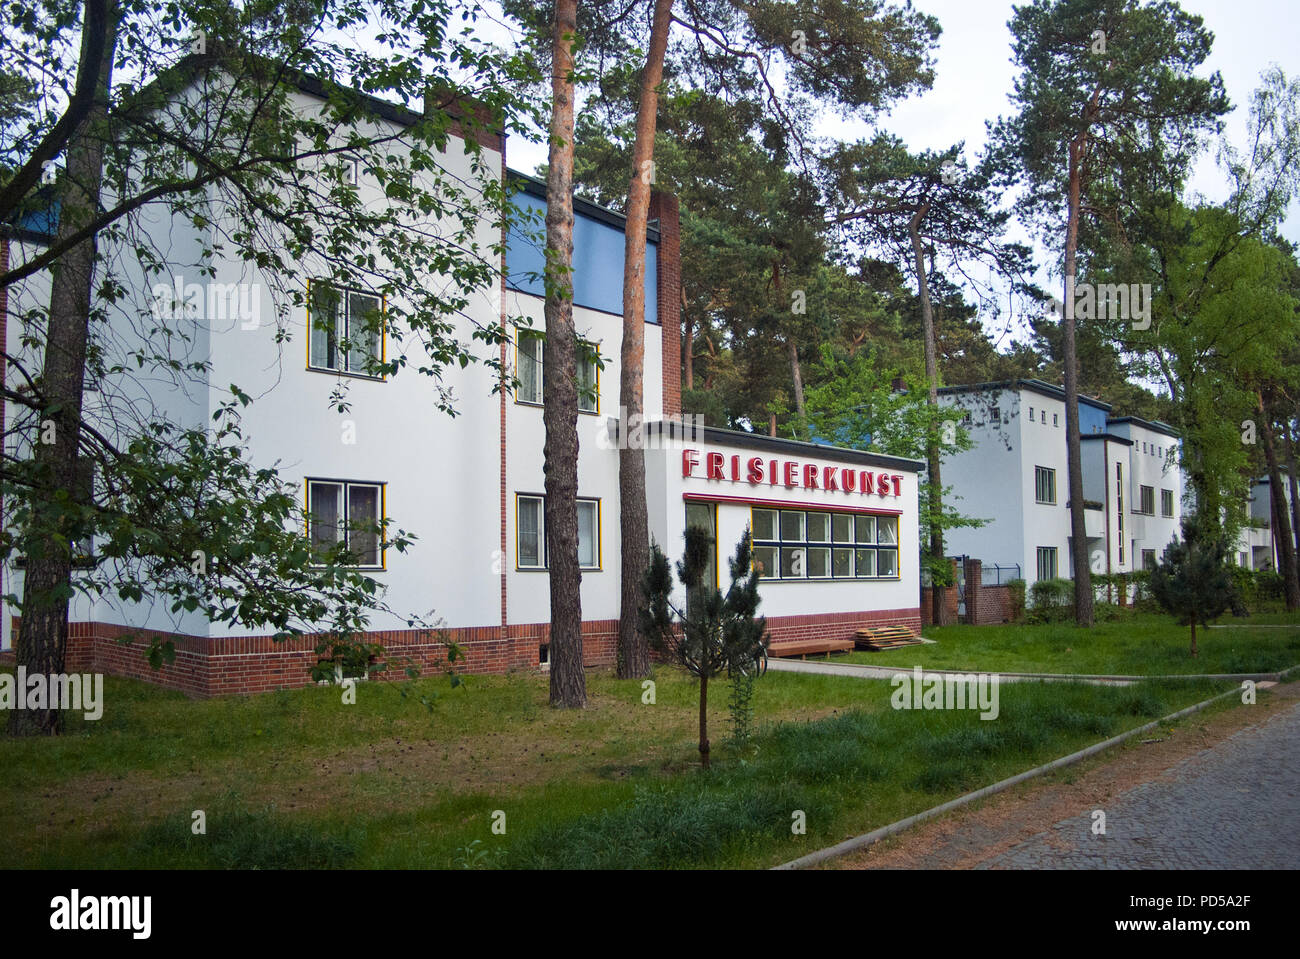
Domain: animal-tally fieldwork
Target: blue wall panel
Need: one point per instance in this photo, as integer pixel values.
(597, 262)
(1091, 419)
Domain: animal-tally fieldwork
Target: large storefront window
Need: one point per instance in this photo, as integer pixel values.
(703, 516)
(803, 544)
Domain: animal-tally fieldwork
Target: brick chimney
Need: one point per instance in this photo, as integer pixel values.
(488, 130)
(663, 207)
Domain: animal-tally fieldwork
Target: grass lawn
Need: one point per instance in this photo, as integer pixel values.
(296, 779)
(1139, 644)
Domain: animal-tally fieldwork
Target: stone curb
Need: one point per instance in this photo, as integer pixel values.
(866, 671)
(867, 839)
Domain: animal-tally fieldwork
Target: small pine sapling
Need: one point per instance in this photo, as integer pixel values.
(1192, 580)
(716, 634)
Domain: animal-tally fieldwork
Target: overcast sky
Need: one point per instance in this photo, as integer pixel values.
(974, 75)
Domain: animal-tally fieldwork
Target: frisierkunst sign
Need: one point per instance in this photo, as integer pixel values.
(791, 474)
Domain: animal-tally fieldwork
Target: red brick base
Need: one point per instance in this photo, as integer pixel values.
(927, 604)
(254, 664)
(788, 629)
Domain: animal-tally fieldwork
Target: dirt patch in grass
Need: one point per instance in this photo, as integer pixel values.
(398, 785)
(967, 837)
(615, 739)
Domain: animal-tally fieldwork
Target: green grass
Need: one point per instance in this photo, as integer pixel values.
(847, 774)
(1136, 644)
(296, 779)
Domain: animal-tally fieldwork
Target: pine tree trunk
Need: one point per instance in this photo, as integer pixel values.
(1294, 482)
(938, 595)
(704, 721)
(47, 582)
(796, 375)
(1193, 639)
(1281, 521)
(634, 523)
(1083, 600)
(560, 385)
(688, 354)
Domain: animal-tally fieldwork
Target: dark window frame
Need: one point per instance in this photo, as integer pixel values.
(346, 519)
(780, 544)
(341, 356)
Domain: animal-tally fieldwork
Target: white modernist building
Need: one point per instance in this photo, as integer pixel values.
(1015, 476)
(835, 530)
(1259, 546)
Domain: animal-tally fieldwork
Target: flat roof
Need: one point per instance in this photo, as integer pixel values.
(1154, 425)
(1106, 436)
(1035, 386)
(537, 187)
(23, 234)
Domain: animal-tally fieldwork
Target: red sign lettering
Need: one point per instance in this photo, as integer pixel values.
(715, 465)
(791, 473)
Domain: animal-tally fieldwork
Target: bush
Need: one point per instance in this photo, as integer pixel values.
(1052, 600)
(1104, 587)
(1245, 592)
(1134, 586)
(1016, 593)
(1107, 612)
(1146, 604)
(1141, 580)
(1269, 585)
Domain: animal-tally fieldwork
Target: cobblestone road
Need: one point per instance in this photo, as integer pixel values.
(1233, 806)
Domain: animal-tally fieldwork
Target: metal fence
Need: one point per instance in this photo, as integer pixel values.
(994, 574)
(998, 575)
(991, 574)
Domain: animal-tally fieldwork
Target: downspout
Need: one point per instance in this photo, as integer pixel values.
(4, 349)
(1105, 485)
(503, 506)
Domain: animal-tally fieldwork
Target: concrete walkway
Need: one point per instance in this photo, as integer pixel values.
(863, 671)
(1233, 806)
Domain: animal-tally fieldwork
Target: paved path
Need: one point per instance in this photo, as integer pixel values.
(1233, 806)
(868, 671)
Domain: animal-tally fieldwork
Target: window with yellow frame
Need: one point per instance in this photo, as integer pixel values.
(348, 512)
(530, 370)
(704, 516)
(345, 330)
(530, 532)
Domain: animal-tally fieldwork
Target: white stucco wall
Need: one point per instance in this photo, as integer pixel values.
(986, 480)
(528, 591)
(441, 473)
(1043, 444)
(735, 500)
(998, 482)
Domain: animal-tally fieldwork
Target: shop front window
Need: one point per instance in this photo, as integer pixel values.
(817, 545)
(703, 516)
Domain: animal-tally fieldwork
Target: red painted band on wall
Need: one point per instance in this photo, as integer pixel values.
(790, 504)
